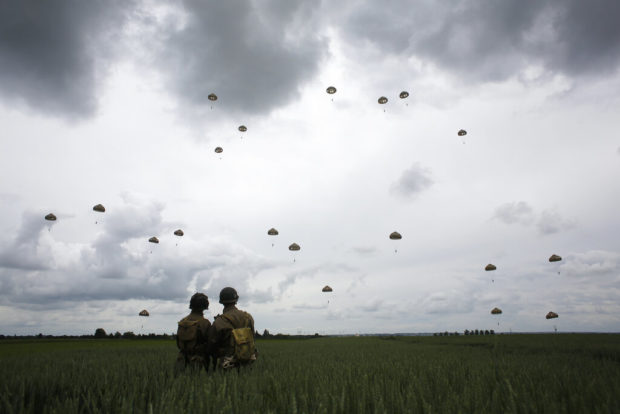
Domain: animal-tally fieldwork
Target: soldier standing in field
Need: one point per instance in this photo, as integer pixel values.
(192, 334)
(231, 337)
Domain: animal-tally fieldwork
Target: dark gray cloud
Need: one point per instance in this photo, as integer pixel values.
(515, 212)
(492, 41)
(25, 250)
(254, 58)
(52, 54)
(413, 181)
(120, 264)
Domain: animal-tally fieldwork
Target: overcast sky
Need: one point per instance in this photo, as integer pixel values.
(107, 102)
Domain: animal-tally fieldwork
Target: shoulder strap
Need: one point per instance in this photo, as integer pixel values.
(229, 319)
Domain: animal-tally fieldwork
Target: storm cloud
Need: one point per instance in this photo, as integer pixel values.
(484, 41)
(54, 54)
(254, 59)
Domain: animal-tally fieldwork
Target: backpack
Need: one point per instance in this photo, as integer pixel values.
(187, 334)
(243, 339)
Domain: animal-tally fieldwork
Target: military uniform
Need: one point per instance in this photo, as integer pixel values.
(220, 338)
(197, 355)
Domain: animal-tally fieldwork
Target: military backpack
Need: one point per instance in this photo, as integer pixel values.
(187, 334)
(243, 339)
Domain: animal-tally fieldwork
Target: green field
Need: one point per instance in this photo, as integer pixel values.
(567, 373)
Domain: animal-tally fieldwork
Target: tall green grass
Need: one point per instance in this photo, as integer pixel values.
(502, 373)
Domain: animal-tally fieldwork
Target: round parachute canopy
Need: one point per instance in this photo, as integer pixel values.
(219, 150)
(178, 232)
(382, 100)
(555, 258)
(144, 312)
(212, 97)
(331, 90)
(490, 267)
(395, 236)
(404, 94)
(243, 128)
(496, 311)
(327, 289)
(50, 217)
(272, 232)
(551, 315)
(154, 240)
(462, 132)
(294, 247)
(100, 208)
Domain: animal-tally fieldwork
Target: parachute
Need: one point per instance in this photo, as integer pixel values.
(154, 240)
(327, 289)
(100, 208)
(496, 311)
(294, 247)
(395, 236)
(404, 94)
(555, 258)
(272, 232)
(50, 217)
(144, 312)
(551, 315)
(178, 232)
(243, 128)
(462, 133)
(382, 100)
(331, 90)
(212, 97)
(219, 150)
(490, 267)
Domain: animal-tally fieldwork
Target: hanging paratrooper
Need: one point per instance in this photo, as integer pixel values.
(272, 232)
(331, 90)
(99, 208)
(395, 236)
(178, 233)
(404, 95)
(294, 248)
(382, 101)
(489, 268)
(50, 217)
(555, 258)
(212, 97)
(153, 240)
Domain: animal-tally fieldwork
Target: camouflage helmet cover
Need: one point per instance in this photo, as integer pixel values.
(199, 301)
(228, 295)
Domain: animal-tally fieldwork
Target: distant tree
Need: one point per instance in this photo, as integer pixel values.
(492, 332)
(129, 334)
(117, 334)
(257, 335)
(40, 335)
(446, 333)
(456, 334)
(266, 333)
(466, 332)
(486, 331)
(476, 332)
(100, 333)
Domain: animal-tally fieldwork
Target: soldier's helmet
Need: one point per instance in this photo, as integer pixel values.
(199, 301)
(228, 295)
